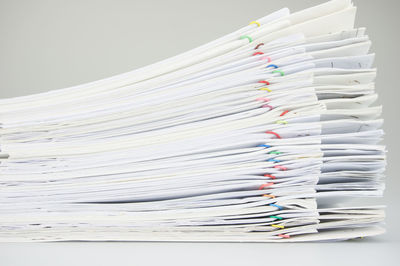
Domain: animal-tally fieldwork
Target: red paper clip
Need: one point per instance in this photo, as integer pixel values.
(257, 53)
(270, 176)
(273, 133)
(283, 168)
(265, 185)
(284, 112)
(265, 82)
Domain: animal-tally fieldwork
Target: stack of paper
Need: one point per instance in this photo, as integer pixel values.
(261, 135)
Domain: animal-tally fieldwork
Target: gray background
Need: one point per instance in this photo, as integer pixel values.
(47, 45)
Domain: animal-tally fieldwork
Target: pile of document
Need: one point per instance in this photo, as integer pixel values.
(263, 135)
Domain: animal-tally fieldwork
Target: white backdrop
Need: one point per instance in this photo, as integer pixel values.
(47, 45)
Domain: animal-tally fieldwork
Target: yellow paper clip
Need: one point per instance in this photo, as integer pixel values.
(282, 122)
(277, 226)
(265, 89)
(255, 22)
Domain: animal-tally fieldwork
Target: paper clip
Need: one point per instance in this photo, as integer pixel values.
(257, 53)
(279, 71)
(264, 57)
(277, 226)
(265, 89)
(281, 122)
(272, 65)
(265, 185)
(273, 133)
(283, 168)
(255, 22)
(258, 45)
(284, 236)
(264, 145)
(267, 105)
(277, 206)
(246, 37)
(274, 152)
(273, 160)
(270, 176)
(276, 217)
(263, 99)
(269, 196)
(284, 112)
(264, 81)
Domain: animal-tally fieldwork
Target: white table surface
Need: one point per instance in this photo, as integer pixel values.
(360, 252)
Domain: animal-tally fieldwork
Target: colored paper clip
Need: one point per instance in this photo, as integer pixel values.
(277, 226)
(273, 133)
(284, 112)
(274, 152)
(272, 65)
(263, 99)
(265, 185)
(264, 145)
(246, 37)
(267, 105)
(270, 176)
(273, 160)
(255, 22)
(264, 81)
(279, 71)
(265, 89)
(264, 57)
(283, 168)
(281, 122)
(277, 206)
(276, 217)
(258, 46)
(257, 53)
(269, 196)
(303, 157)
(284, 236)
